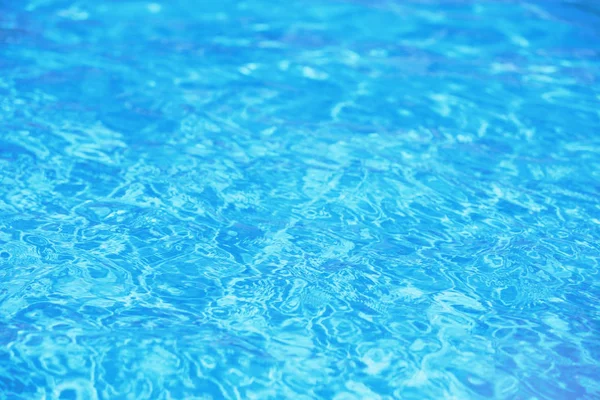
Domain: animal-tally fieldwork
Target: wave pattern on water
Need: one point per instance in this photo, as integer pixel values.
(306, 199)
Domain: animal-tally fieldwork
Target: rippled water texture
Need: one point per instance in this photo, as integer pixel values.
(302, 199)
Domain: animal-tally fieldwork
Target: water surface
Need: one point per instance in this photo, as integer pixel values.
(301, 199)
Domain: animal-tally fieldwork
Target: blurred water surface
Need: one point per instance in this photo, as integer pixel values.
(302, 199)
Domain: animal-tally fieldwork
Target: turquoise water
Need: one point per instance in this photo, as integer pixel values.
(304, 199)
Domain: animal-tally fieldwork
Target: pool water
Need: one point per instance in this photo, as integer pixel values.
(366, 199)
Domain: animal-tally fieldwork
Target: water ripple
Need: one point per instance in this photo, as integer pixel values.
(322, 199)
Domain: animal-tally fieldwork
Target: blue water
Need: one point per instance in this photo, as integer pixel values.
(366, 199)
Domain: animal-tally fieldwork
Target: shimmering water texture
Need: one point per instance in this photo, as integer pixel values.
(299, 199)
